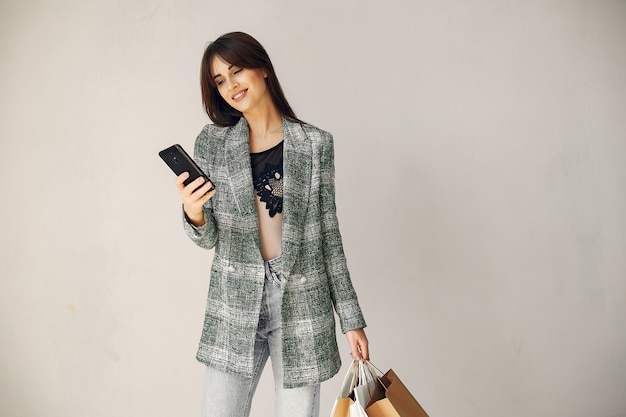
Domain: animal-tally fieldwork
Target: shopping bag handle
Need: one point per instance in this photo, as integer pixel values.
(371, 365)
(374, 366)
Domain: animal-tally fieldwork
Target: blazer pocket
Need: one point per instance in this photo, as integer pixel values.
(307, 298)
(297, 280)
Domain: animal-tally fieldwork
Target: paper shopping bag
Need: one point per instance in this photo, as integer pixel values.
(366, 384)
(358, 386)
(393, 399)
(341, 408)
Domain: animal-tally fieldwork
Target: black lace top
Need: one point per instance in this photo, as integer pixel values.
(267, 175)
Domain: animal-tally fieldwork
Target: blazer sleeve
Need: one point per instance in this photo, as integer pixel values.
(342, 292)
(204, 236)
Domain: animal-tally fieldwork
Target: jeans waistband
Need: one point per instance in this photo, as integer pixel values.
(272, 270)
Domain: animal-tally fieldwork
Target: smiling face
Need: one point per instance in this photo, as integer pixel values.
(242, 88)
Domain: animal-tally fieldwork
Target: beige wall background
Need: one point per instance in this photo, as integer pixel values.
(480, 151)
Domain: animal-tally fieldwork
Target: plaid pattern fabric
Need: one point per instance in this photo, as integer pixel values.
(313, 259)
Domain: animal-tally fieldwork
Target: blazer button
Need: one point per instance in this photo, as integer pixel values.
(231, 268)
(303, 280)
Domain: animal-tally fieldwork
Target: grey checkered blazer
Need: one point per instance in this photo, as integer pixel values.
(313, 259)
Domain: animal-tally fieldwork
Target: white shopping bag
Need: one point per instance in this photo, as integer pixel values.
(366, 385)
(356, 391)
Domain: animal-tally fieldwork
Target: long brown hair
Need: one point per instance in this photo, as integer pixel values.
(241, 50)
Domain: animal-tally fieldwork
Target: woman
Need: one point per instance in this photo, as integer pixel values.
(279, 267)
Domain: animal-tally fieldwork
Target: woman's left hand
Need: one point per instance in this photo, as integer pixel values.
(358, 344)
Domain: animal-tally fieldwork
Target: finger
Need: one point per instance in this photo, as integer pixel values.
(201, 191)
(364, 347)
(189, 190)
(355, 353)
(181, 179)
(206, 196)
(211, 186)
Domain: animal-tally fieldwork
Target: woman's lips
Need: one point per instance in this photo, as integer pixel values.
(240, 95)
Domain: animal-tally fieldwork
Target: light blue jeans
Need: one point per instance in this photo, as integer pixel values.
(227, 395)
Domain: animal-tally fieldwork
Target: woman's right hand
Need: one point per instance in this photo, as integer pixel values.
(193, 201)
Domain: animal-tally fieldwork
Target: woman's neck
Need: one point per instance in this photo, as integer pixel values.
(265, 128)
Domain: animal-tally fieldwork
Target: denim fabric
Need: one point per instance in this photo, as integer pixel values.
(227, 395)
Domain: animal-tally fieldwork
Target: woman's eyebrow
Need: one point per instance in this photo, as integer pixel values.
(217, 75)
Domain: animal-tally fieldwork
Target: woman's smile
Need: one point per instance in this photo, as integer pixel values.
(239, 95)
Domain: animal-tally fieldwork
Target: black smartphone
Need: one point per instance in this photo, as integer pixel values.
(179, 161)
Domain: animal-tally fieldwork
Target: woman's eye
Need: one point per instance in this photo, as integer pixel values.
(238, 71)
(219, 82)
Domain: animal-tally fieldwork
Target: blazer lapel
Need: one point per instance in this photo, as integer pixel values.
(237, 155)
(297, 166)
